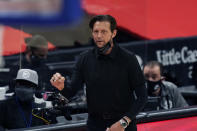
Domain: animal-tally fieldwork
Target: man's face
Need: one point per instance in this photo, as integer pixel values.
(24, 91)
(41, 52)
(152, 73)
(102, 34)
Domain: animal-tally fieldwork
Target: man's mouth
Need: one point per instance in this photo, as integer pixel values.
(99, 41)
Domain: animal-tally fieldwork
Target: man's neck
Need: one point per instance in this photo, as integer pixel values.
(110, 49)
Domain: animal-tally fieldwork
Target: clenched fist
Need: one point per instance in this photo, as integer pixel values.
(57, 80)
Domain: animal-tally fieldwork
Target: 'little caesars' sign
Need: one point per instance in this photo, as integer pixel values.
(174, 57)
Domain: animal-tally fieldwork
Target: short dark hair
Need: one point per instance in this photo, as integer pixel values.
(155, 63)
(108, 18)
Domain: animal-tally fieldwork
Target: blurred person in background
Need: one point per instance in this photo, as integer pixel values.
(168, 93)
(112, 76)
(16, 111)
(35, 58)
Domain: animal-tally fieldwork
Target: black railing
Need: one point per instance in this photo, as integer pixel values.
(79, 121)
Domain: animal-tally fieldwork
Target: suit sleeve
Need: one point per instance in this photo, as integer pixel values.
(76, 82)
(137, 84)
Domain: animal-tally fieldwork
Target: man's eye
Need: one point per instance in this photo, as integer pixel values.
(103, 32)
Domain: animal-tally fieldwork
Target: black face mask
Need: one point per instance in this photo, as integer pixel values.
(152, 86)
(35, 60)
(104, 49)
(24, 94)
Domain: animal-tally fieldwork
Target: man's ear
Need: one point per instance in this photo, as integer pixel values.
(114, 33)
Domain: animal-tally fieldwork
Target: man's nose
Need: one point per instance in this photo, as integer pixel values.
(150, 79)
(99, 34)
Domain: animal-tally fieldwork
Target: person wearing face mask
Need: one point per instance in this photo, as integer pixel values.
(16, 112)
(111, 75)
(34, 58)
(169, 96)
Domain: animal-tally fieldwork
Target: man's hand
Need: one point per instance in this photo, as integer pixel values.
(57, 80)
(116, 127)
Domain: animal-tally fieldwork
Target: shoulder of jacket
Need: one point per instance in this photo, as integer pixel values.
(125, 52)
(169, 84)
(86, 53)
